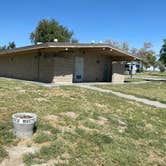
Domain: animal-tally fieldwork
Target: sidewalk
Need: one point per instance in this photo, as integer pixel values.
(130, 97)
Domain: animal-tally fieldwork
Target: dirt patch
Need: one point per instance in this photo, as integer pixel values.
(40, 99)
(22, 91)
(57, 92)
(52, 119)
(122, 126)
(103, 118)
(71, 115)
(16, 153)
(100, 105)
(135, 103)
(99, 121)
(66, 129)
(156, 159)
(86, 128)
(148, 126)
(52, 162)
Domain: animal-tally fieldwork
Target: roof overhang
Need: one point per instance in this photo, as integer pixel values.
(104, 49)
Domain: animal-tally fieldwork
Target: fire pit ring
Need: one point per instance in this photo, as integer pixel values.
(24, 124)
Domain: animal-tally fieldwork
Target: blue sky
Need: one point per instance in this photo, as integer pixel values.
(134, 21)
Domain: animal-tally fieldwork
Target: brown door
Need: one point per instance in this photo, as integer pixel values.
(107, 76)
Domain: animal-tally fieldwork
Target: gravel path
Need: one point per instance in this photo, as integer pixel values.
(131, 97)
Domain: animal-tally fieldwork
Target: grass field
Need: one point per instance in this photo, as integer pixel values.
(83, 127)
(150, 90)
(133, 80)
(153, 74)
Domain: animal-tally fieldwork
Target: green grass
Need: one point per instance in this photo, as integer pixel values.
(133, 80)
(42, 137)
(6, 135)
(45, 153)
(106, 130)
(150, 90)
(155, 74)
(3, 153)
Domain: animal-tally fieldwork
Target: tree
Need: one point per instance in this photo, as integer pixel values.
(152, 60)
(163, 52)
(112, 42)
(134, 51)
(147, 55)
(48, 30)
(161, 66)
(11, 45)
(124, 46)
(3, 48)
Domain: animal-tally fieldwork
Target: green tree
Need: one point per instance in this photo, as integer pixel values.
(152, 60)
(3, 48)
(11, 45)
(134, 51)
(163, 52)
(48, 30)
(147, 55)
(161, 66)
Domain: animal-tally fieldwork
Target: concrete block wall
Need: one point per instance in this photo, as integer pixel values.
(28, 66)
(46, 67)
(94, 67)
(19, 66)
(63, 68)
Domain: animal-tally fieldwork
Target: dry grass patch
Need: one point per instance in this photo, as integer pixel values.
(71, 115)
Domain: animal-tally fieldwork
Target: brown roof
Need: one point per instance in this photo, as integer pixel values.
(117, 54)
